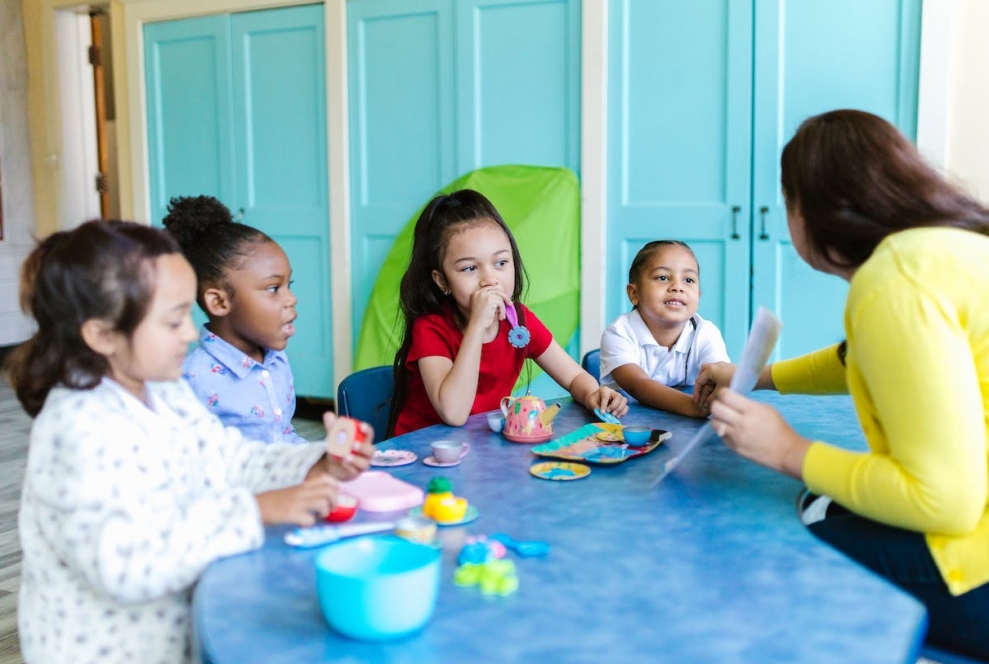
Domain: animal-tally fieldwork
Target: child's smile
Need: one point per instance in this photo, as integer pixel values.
(667, 292)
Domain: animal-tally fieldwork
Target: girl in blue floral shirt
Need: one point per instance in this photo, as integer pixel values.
(239, 370)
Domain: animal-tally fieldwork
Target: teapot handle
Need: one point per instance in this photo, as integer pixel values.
(505, 403)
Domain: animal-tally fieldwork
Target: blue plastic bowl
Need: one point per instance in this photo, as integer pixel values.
(636, 435)
(376, 588)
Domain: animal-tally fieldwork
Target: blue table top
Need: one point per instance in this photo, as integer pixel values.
(711, 565)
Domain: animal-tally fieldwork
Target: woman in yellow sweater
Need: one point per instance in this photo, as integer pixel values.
(863, 205)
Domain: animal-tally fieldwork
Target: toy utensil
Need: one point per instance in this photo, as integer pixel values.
(526, 549)
(519, 335)
(606, 417)
(307, 538)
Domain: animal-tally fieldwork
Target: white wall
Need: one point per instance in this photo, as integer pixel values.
(15, 167)
(967, 145)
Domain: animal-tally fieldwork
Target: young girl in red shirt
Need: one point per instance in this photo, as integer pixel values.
(466, 334)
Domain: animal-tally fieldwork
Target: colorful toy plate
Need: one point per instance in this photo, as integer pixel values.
(586, 445)
(470, 515)
(392, 458)
(555, 470)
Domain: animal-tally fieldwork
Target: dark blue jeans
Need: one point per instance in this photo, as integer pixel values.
(956, 623)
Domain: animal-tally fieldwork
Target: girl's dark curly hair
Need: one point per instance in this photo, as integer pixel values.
(211, 240)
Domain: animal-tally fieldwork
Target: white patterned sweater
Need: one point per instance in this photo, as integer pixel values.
(123, 508)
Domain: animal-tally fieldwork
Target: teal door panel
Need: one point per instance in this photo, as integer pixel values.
(810, 58)
(518, 92)
(187, 73)
(439, 88)
(279, 112)
(402, 137)
(237, 110)
(679, 128)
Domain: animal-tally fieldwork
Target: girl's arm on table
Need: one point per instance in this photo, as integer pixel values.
(581, 385)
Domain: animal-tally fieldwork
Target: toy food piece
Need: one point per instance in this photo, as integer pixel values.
(440, 504)
(345, 509)
(345, 433)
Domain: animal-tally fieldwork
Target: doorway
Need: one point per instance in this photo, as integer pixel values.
(87, 161)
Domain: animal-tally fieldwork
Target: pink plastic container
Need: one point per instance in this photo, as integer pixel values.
(377, 491)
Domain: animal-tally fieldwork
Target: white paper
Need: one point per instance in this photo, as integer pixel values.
(758, 347)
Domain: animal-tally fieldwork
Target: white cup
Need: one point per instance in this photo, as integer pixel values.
(449, 451)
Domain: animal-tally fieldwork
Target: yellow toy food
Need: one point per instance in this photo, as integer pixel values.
(440, 504)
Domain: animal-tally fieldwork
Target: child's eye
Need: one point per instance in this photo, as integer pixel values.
(502, 263)
(689, 280)
(662, 277)
(469, 268)
(272, 289)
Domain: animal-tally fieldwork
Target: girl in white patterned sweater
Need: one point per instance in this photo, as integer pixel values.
(132, 487)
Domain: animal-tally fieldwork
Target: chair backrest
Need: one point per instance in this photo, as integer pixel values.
(366, 396)
(592, 363)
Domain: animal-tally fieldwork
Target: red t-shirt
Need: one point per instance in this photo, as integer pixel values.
(501, 363)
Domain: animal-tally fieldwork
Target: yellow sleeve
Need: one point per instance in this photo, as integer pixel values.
(916, 390)
(820, 372)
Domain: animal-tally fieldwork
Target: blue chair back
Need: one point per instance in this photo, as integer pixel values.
(366, 395)
(592, 363)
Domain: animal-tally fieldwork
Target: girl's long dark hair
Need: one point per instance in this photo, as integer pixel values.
(419, 295)
(856, 179)
(101, 270)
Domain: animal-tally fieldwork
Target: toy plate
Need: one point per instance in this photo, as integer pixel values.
(470, 515)
(585, 445)
(528, 439)
(555, 470)
(392, 458)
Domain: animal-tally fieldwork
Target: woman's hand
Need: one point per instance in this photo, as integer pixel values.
(301, 504)
(712, 377)
(608, 401)
(758, 432)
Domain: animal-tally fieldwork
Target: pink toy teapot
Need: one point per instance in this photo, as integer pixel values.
(528, 419)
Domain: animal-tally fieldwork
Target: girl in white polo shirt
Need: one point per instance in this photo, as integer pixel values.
(658, 348)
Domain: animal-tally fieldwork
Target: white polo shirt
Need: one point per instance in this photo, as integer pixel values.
(629, 341)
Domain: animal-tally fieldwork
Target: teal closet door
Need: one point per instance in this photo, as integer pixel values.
(813, 57)
(518, 83)
(187, 74)
(402, 129)
(279, 112)
(679, 126)
(439, 88)
(237, 110)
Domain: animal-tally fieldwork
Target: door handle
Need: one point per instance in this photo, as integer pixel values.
(763, 211)
(735, 209)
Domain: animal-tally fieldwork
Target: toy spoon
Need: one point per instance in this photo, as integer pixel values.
(526, 549)
(518, 336)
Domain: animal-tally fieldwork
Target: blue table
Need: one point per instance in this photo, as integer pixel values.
(712, 565)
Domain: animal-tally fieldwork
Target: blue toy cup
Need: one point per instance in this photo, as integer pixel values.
(377, 588)
(636, 435)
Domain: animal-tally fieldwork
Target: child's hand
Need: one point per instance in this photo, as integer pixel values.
(487, 306)
(608, 400)
(711, 378)
(350, 466)
(301, 504)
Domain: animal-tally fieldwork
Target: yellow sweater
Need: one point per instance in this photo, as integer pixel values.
(917, 368)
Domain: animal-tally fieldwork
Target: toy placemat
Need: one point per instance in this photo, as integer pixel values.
(597, 443)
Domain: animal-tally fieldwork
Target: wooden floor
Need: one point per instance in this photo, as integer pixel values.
(14, 428)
